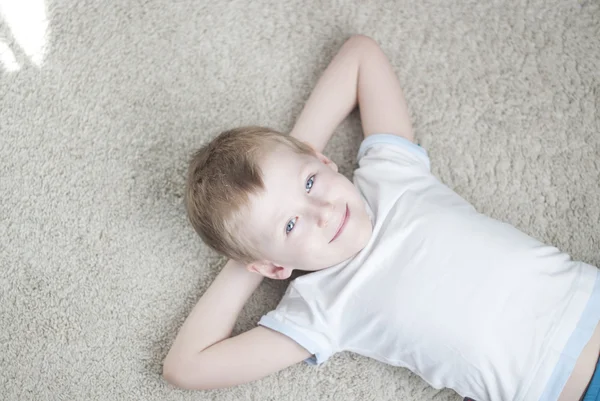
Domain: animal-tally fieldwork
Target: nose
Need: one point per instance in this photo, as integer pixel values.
(324, 213)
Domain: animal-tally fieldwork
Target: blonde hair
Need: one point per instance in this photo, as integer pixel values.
(221, 177)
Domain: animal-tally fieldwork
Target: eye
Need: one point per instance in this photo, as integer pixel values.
(309, 183)
(290, 225)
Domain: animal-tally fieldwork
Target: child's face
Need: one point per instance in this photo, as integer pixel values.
(295, 220)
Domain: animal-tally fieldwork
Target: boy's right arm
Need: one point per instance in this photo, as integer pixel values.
(203, 355)
(360, 73)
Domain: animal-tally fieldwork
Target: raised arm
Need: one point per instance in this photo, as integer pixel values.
(360, 73)
(203, 356)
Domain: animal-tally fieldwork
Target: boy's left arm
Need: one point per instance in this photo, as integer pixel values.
(358, 74)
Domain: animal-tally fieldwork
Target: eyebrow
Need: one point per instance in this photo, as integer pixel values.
(303, 169)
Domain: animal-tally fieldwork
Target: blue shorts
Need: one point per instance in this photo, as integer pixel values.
(593, 391)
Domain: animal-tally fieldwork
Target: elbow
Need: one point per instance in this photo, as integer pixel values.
(177, 375)
(363, 41)
(173, 377)
(363, 46)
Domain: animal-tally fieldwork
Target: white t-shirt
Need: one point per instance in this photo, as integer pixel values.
(464, 301)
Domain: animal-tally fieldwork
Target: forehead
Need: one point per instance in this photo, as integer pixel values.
(281, 164)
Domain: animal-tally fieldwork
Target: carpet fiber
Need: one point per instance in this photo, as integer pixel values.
(102, 103)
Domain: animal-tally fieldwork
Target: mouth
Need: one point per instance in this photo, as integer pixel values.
(342, 224)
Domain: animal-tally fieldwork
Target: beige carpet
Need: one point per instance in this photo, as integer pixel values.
(102, 102)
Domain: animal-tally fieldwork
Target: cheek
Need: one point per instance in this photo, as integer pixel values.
(330, 186)
(302, 248)
(340, 181)
(349, 189)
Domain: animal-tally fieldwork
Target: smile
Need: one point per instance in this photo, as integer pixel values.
(342, 224)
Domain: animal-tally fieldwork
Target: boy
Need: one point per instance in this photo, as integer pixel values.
(403, 269)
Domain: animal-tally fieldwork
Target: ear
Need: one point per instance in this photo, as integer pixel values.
(269, 269)
(325, 160)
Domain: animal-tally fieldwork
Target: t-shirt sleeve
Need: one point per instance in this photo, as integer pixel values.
(392, 148)
(389, 166)
(295, 318)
